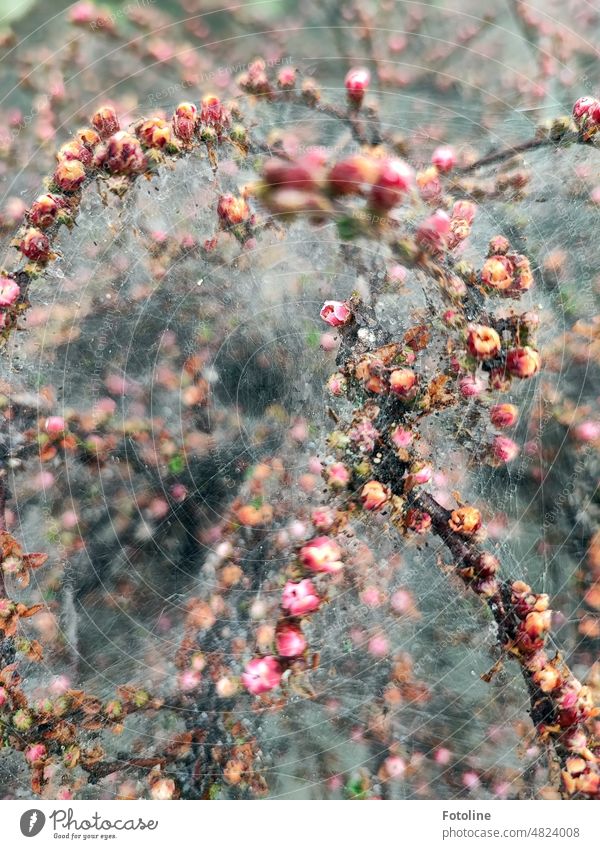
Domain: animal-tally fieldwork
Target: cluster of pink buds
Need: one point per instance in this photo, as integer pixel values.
(586, 113)
(321, 556)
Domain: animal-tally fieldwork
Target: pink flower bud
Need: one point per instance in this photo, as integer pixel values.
(322, 518)
(352, 175)
(289, 640)
(588, 431)
(483, 342)
(69, 175)
(44, 211)
(232, 210)
(321, 554)
(394, 179)
(374, 495)
(105, 122)
(403, 381)
(432, 232)
(497, 272)
(582, 106)
(55, 425)
(261, 674)
(74, 151)
(163, 789)
(504, 415)
(504, 449)
(401, 437)
(338, 476)
(121, 154)
(523, 362)
(212, 112)
(3, 696)
(300, 598)
(420, 473)
(286, 78)
(444, 159)
(471, 386)
(335, 313)
(464, 210)
(36, 753)
(184, 121)
(35, 245)
(357, 82)
(9, 292)
(498, 245)
(337, 384)
(156, 133)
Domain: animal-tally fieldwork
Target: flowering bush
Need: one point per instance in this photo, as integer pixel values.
(282, 383)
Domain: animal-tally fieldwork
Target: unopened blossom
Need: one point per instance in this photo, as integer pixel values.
(523, 362)
(357, 82)
(69, 175)
(74, 151)
(300, 598)
(163, 789)
(337, 384)
(483, 342)
(35, 245)
(261, 674)
(105, 122)
(121, 154)
(428, 183)
(352, 175)
(504, 415)
(289, 640)
(465, 520)
(9, 291)
(232, 210)
(547, 679)
(335, 313)
(286, 78)
(36, 753)
(394, 179)
(3, 696)
(403, 382)
(155, 132)
(185, 119)
(588, 431)
(401, 436)
(497, 272)
(394, 767)
(338, 475)
(464, 210)
(374, 495)
(586, 112)
(45, 210)
(420, 473)
(55, 425)
(212, 112)
(22, 720)
(417, 520)
(433, 232)
(470, 386)
(444, 158)
(321, 554)
(322, 518)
